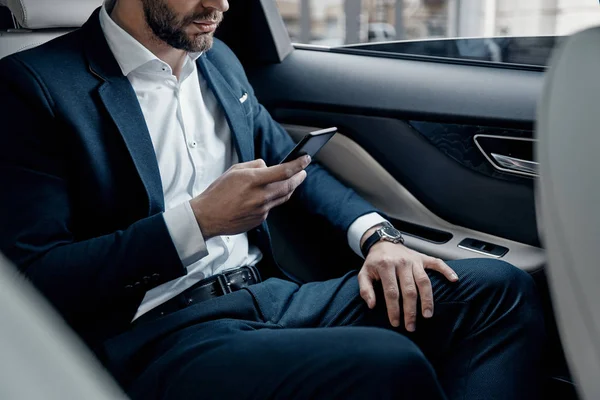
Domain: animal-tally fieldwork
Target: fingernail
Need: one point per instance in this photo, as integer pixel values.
(428, 314)
(395, 323)
(308, 159)
(410, 327)
(454, 276)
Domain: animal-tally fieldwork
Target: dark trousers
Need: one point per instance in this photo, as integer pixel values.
(320, 341)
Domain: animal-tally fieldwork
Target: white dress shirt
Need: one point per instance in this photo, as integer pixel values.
(193, 145)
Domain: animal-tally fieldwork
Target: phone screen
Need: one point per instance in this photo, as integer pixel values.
(310, 144)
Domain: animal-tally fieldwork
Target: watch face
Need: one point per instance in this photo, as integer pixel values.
(390, 233)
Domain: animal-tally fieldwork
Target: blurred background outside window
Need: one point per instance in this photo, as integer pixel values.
(340, 22)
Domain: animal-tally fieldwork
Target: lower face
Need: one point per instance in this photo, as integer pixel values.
(192, 32)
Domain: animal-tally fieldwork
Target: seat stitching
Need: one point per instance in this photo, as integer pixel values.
(30, 45)
(24, 12)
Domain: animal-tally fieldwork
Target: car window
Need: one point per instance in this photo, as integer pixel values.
(498, 31)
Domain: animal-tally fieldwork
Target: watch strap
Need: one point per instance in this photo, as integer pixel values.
(371, 240)
(376, 237)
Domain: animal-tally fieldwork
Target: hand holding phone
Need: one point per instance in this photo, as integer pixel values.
(310, 144)
(253, 189)
(241, 198)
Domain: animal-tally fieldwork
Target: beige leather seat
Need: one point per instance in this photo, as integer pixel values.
(569, 200)
(42, 20)
(41, 358)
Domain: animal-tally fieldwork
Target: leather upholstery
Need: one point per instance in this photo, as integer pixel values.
(41, 357)
(568, 200)
(13, 42)
(45, 14)
(42, 20)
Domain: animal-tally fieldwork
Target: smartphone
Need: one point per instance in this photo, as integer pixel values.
(310, 144)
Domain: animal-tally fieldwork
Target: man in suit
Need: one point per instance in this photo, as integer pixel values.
(136, 183)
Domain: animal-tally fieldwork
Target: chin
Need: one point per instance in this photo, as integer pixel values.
(202, 43)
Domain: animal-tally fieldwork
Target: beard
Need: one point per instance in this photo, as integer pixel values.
(171, 29)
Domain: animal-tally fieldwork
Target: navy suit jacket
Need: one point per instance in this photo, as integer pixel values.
(82, 200)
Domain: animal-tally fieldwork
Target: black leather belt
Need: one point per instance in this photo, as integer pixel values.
(215, 286)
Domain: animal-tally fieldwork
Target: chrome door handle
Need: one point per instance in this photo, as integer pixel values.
(511, 164)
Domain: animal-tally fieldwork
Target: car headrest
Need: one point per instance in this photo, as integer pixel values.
(45, 14)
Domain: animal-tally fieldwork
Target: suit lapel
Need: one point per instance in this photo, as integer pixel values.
(234, 111)
(122, 104)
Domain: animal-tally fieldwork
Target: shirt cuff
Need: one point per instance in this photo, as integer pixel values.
(359, 227)
(185, 233)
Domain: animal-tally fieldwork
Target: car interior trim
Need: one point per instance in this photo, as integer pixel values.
(496, 160)
(357, 168)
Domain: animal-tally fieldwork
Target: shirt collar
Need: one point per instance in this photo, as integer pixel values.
(129, 53)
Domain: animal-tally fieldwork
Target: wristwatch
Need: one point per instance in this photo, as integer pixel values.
(385, 232)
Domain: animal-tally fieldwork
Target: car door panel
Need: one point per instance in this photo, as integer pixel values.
(353, 165)
(458, 194)
(407, 144)
(405, 89)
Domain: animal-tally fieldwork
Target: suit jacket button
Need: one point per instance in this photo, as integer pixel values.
(155, 277)
(129, 287)
(137, 285)
(146, 280)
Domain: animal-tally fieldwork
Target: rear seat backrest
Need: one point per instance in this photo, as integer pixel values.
(42, 20)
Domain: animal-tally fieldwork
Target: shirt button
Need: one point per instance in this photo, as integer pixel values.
(193, 144)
